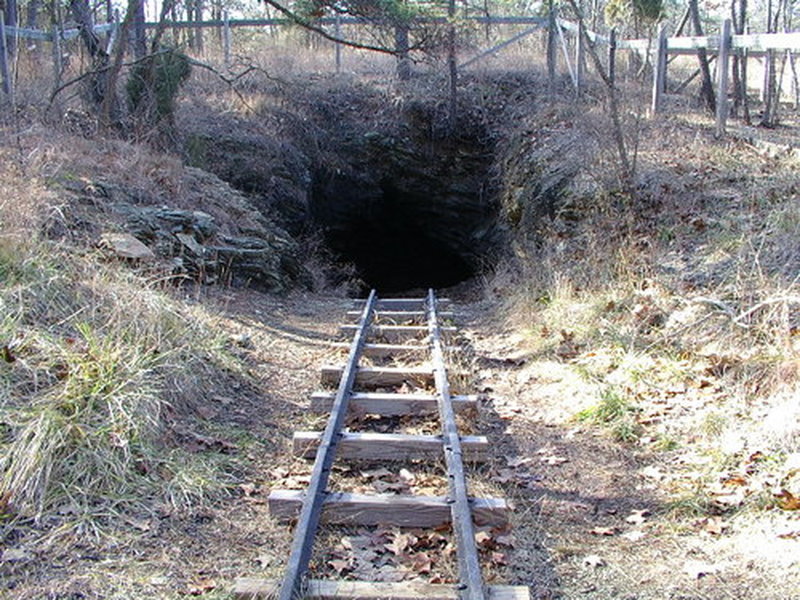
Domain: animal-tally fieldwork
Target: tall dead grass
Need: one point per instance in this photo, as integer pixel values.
(96, 364)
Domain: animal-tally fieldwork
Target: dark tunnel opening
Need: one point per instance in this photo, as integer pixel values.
(393, 239)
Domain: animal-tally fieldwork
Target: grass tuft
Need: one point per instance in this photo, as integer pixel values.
(97, 366)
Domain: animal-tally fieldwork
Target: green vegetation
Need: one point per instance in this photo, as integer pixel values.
(96, 364)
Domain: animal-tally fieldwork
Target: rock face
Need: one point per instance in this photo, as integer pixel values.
(273, 173)
(209, 232)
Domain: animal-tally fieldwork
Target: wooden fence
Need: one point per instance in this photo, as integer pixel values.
(658, 50)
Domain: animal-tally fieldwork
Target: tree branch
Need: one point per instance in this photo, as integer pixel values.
(305, 23)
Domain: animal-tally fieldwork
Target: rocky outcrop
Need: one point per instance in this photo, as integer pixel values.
(273, 173)
(206, 231)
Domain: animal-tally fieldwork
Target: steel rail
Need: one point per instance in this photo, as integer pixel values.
(471, 582)
(307, 523)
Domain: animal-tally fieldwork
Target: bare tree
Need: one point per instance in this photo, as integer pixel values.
(706, 84)
(739, 18)
(98, 87)
(11, 21)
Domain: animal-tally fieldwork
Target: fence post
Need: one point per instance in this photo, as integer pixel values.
(5, 72)
(659, 70)
(226, 39)
(580, 62)
(401, 47)
(337, 31)
(722, 75)
(612, 56)
(551, 48)
(57, 56)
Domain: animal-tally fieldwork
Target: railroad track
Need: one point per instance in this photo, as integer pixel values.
(425, 341)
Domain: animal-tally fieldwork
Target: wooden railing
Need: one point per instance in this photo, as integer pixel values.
(659, 48)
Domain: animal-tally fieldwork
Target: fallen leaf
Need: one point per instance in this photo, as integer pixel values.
(697, 568)
(200, 587)
(400, 543)
(714, 525)
(499, 559)
(505, 540)
(594, 561)
(603, 531)
(637, 517)
(249, 489)
(787, 500)
(338, 565)
(554, 460)
(7, 355)
(634, 535)
(483, 539)
(734, 480)
(421, 563)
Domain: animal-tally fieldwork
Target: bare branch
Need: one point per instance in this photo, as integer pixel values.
(305, 23)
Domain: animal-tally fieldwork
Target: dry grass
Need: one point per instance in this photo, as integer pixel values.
(681, 314)
(97, 360)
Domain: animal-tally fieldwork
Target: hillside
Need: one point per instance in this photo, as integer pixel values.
(163, 314)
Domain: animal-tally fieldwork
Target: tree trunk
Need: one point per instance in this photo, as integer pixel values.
(99, 89)
(769, 116)
(198, 17)
(739, 18)
(139, 35)
(451, 66)
(707, 84)
(32, 18)
(11, 21)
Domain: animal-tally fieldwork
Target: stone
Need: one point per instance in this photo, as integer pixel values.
(125, 245)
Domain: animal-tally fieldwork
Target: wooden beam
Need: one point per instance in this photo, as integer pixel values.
(395, 333)
(401, 303)
(659, 70)
(388, 509)
(501, 45)
(379, 376)
(401, 314)
(391, 405)
(389, 446)
(254, 588)
(391, 350)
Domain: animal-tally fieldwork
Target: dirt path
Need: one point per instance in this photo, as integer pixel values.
(592, 518)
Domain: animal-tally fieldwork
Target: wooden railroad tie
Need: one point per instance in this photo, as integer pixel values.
(421, 342)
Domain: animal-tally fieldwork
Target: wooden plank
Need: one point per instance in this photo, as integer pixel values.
(401, 303)
(389, 509)
(501, 45)
(310, 506)
(469, 568)
(761, 42)
(389, 446)
(401, 314)
(396, 333)
(5, 71)
(391, 405)
(659, 70)
(254, 588)
(379, 376)
(416, 351)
